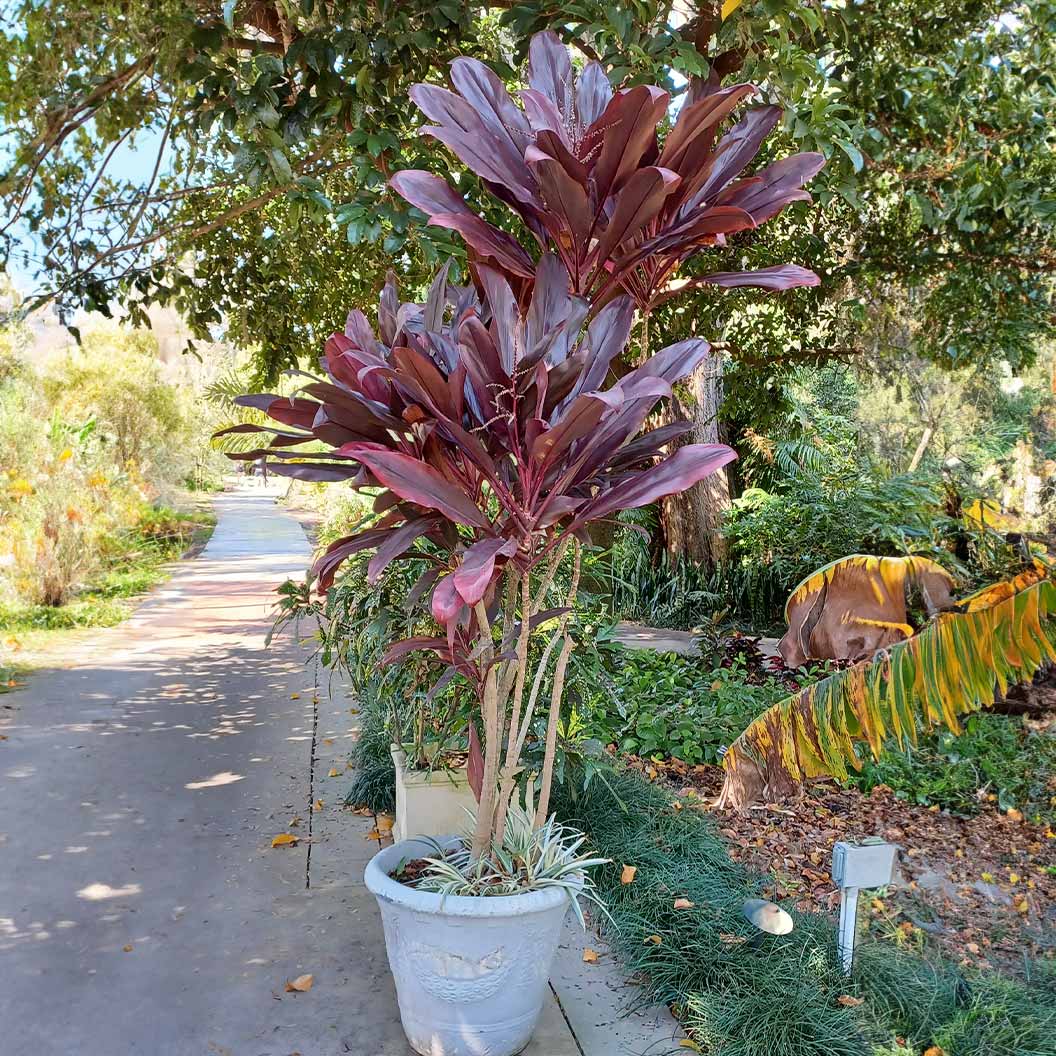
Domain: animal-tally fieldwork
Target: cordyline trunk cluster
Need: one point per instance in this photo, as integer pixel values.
(490, 422)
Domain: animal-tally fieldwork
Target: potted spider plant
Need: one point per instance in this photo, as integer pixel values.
(493, 425)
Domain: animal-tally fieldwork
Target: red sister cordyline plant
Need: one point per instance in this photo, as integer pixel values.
(488, 419)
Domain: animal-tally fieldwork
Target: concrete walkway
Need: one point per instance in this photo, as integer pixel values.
(142, 907)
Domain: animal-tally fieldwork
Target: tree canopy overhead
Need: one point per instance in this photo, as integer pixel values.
(229, 157)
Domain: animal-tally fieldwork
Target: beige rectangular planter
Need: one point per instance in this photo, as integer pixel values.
(430, 802)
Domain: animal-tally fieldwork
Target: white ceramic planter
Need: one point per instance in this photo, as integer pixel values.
(470, 973)
(430, 802)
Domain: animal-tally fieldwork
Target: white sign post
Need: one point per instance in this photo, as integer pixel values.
(854, 866)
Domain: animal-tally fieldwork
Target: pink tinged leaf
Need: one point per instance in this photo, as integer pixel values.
(673, 363)
(550, 72)
(436, 301)
(388, 306)
(417, 482)
(582, 416)
(422, 378)
(551, 144)
(461, 129)
(447, 603)
(776, 186)
(475, 572)
(593, 92)
(639, 200)
(556, 508)
(359, 331)
(475, 762)
(427, 192)
(293, 411)
(398, 541)
(550, 302)
(680, 471)
(607, 337)
(781, 277)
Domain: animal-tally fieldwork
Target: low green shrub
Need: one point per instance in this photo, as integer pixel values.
(670, 705)
(996, 756)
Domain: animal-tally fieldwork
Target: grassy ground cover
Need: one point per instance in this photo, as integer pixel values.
(743, 994)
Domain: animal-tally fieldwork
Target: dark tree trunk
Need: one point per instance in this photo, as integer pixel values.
(692, 521)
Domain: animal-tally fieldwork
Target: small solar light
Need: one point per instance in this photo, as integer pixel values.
(767, 916)
(854, 866)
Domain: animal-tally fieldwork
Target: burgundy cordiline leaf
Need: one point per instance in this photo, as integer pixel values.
(781, 277)
(417, 482)
(398, 541)
(447, 209)
(406, 646)
(339, 551)
(680, 471)
(318, 474)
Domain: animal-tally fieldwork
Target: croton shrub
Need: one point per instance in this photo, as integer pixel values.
(495, 422)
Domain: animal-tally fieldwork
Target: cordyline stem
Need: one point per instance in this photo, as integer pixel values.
(555, 699)
(485, 826)
(509, 771)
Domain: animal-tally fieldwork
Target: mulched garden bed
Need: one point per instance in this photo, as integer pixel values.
(982, 888)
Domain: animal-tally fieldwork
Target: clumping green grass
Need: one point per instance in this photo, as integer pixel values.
(741, 993)
(109, 598)
(374, 777)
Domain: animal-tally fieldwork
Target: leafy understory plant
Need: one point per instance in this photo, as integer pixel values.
(527, 859)
(497, 421)
(994, 638)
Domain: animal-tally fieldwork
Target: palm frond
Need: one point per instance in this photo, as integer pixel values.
(952, 667)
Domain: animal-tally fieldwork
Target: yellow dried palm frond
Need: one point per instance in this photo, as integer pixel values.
(998, 637)
(886, 573)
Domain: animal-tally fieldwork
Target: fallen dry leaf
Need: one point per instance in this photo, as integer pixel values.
(627, 874)
(334, 772)
(652, 940)
(688, 1043)
(972, 947)
(1013, 814)
(729, 939)
(328, 740)
(590, 956)
(284, 839)
(684, 903)
(850, 1002)
(935, 1051)
(128, 948)
(301, 985)
(295, 696)
(374, 835)
(318, 805)
(385, 822)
